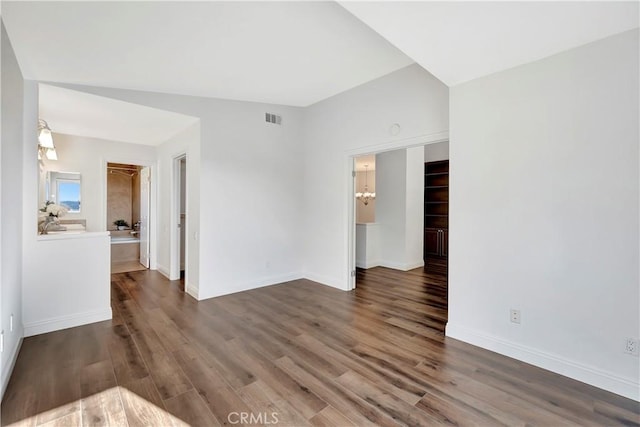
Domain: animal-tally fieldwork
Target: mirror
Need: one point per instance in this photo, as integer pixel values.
(62, 188)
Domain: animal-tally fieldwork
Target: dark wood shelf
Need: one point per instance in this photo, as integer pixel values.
(436, 209)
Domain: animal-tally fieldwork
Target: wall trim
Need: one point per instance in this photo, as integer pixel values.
(8, 369)
(552, 362)
(163, 270)
(401, 266)
(260, 283)
(192, 290)
(413, 141)
(366, 264)
(326, 281)
(65, 322)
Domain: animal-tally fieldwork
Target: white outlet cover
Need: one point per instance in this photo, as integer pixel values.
(632, 346)
(515, 316)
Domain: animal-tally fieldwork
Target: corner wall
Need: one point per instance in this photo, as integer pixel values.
(87, 156)
(399, 208)
(251, 189)
(544, 212)
(11, 134)
(186, 142)
(353, 123)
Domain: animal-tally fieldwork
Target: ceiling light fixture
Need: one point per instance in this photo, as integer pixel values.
(366, 195)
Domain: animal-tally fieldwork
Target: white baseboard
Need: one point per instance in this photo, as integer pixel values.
(163, 270)
(367, 264)
(7, 370)
(192, 290)
(64, 322)
(401, 266)
(323, 280)
(587, 374)
(260, 283)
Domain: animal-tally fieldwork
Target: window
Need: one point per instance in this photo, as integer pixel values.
(69, 194)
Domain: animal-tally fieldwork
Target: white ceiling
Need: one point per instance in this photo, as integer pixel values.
(461, 41)
(78, 113)
(291, 53)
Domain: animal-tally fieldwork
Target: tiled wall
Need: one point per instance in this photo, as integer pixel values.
(123, 199)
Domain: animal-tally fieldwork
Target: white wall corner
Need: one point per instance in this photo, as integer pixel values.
(588, 374)
(192, 290)
(163, 270)
(327, 281)
(366, 264)
(65, 322)
(254, 284)
(401, 266)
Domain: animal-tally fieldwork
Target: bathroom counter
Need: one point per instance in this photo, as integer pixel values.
(71, 234)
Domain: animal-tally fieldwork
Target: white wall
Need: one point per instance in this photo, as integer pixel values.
(544, 212)
(11, 212)
(353, 123)
(88, 156)
(367, 245)
(399, 209)
(414, 208)
(391, 170)
(186, 142)
(67, 281)
(366, 213)
(251, 189)
(436, 152)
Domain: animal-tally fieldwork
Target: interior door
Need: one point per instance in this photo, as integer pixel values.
(145, 183)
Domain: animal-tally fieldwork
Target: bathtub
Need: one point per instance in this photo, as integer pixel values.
(119, 240)
(124, 246)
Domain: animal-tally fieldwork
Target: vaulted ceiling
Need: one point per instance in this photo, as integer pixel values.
(458, 41)
(292, 53)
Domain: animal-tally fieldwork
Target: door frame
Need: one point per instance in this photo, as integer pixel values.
(174, 220)
(350, 157)
(153, 200)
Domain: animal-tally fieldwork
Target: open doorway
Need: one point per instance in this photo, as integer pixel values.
(179, 255)
(128, 208)
(391, 236)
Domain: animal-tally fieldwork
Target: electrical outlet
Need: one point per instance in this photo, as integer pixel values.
(11, 323)
(515, 316)
(1, 341)
(632, 346)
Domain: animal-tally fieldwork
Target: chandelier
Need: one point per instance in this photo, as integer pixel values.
(366, 195)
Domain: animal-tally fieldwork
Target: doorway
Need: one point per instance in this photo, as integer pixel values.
(391, 242)
(127, 216)
(179, 234)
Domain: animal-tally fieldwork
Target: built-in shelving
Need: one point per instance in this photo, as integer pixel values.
(436, 208)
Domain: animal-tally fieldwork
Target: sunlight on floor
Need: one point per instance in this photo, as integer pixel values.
(116, 406)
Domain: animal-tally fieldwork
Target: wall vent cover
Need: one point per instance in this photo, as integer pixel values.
(272, 118)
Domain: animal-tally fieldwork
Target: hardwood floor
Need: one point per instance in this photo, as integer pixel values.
(297, 354)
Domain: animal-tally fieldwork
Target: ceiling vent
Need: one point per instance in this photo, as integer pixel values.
(272, 118)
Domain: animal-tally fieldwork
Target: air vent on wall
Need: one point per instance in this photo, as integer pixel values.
(272, 118)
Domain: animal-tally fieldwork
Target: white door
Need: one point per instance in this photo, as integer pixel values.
(144, 215)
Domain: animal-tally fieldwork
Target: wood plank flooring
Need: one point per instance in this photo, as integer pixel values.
(297, 353)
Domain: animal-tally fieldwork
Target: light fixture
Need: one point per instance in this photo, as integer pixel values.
(366, 196)
(45, 140)
(51, 154)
